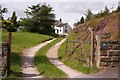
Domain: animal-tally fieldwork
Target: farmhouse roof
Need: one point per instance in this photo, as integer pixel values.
(59, 23)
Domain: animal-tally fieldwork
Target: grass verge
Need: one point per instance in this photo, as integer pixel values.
(21, 41)
(44, 65)
(73, 63)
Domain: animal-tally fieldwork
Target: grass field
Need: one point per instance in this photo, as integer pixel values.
(44, 65)
(74, 63)
(21, 41)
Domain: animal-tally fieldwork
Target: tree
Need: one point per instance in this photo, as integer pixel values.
(82, 20)
(118, 9)
(106, 11)
(2, 10)
(89, 15)
(40, 19)
(7, 23)
(76, 24)
(13, 19)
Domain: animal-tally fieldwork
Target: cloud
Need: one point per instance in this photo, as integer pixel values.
(72, 7)
(97, 6)
(18, 7)
(80, 7)
(68, 11)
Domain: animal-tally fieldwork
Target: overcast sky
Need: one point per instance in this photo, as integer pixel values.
(68, 10)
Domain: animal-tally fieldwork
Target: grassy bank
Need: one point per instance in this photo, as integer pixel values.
(44, 65)
(73, 63)
(21, 41)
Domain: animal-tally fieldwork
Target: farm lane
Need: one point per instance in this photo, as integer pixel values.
(52, 56)
(28, 67)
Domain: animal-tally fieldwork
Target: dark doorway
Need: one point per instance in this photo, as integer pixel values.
(65, 31)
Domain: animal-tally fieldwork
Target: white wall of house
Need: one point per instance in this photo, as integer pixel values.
(59, 30)
(66, 28)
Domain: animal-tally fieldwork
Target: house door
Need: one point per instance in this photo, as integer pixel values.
(65, 31)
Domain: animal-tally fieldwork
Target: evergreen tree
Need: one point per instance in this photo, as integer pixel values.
(39, 19)
(89, 15)
(82, 20)
(2, 10)
(106, 11)
(118, 9)
(13, 19)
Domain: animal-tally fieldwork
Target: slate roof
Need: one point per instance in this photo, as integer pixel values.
(60, 24)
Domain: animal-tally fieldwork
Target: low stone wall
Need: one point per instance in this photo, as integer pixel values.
(3, 59)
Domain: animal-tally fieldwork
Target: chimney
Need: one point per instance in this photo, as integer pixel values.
(60, 20)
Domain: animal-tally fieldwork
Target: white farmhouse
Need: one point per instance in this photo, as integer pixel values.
(61, 28)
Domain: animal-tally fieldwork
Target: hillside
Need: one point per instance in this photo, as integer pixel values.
(104, 25)
(107, 24)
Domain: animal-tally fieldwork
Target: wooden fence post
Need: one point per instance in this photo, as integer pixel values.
(9, 53)
(92, 47)
(73, 46)
(66, 47)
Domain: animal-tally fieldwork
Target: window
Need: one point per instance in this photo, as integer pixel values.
(65, 30)
(57, 31)
(65, 26)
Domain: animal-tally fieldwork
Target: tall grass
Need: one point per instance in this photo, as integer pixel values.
(74, 63)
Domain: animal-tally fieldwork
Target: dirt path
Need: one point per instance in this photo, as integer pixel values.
(28, 67)
(52, 55)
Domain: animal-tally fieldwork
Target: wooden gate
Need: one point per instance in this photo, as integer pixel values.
(91, 49)
(82, 50)
(94, 51)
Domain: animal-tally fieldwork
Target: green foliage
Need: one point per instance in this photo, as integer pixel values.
(40, 19)
(14, 20)
(102, 13)
(11, 24)
(2, 10)
(89, 15)
(44, 65)
(82, 20)
(118, 9)
(106, 11)
(79, 22)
